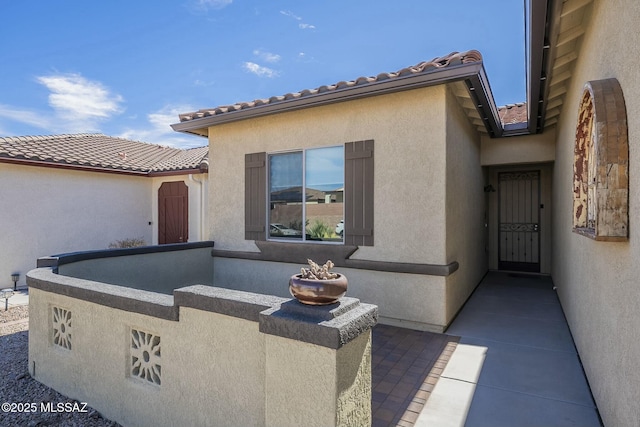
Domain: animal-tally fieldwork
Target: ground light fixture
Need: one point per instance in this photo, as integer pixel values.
(15, 277)
(6, 294)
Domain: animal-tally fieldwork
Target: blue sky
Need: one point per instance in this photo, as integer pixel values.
(127, 68)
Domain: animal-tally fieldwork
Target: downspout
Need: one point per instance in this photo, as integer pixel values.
(200, 183)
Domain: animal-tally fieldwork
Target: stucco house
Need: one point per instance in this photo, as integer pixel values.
(66, 193)
(440, 185)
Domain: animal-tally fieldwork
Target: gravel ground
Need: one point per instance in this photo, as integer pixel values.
(18, 388)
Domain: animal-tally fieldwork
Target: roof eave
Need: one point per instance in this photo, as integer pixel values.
(85, 168)
(195, 171)
(480, 91)
(541, 16)
(473, 73)
(68, 166)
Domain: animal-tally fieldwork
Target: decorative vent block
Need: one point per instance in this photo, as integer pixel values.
(145, 356)
(61, 327)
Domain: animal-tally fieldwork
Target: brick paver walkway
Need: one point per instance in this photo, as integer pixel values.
(405, 366)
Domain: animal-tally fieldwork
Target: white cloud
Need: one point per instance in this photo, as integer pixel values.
(267, 56)
(304, 58)
(159, 131)
(85, 118)
(213, 4)
(31, 118)
(79, 102)
(301, 25)
(290, 15)
(202, 83)
(259, 70)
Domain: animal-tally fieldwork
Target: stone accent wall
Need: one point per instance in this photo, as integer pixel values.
(601, 163)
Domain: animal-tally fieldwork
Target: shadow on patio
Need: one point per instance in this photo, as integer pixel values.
(531, 374)
(406, 364)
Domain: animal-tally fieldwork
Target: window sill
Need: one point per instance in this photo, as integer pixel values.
(297, 253)
(281, 240)
(592, 234)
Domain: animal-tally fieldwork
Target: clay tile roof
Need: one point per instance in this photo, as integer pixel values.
(513, 113)
(454, 58)
(184, 159)
(100, 152)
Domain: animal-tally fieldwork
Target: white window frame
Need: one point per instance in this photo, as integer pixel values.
(304, 204)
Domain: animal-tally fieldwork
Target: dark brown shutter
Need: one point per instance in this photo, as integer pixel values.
(358, 193)
(255, 196)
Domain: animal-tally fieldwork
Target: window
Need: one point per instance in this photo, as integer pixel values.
(313, 195)
(601, 163)
(306, 190)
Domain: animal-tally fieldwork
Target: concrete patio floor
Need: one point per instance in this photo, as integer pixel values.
(531, 374)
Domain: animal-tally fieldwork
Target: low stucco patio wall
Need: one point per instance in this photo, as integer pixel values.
(202, 356)
(152, 268)
(414, 301)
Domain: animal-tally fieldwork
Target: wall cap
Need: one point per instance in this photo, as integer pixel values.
(330, 326)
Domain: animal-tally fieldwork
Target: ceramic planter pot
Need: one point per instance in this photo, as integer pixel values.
(317, 292)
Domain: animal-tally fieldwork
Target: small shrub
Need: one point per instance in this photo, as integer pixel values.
(320, 230)
(127, 243)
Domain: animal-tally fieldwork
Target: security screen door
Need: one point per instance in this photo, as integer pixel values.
(519, 221)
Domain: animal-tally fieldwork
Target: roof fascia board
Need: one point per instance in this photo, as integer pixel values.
(449, 74)
(554, 12)
(516, 129)
(482, 96)
(176, 172)
(538, 53)
(26, 162)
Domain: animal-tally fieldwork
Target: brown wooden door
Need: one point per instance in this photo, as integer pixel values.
(519, 221)
(173, 212)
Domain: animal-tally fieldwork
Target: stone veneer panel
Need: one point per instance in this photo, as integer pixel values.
(601, 163)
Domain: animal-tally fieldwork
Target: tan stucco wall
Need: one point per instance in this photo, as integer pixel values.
(94, 370)
(598, 281)
(518, 149)
(46, 211)
(309, 374)
(215, 369)
(198, 192)
(409, 132)
(407, 300)
(465, 208)
(160, 272)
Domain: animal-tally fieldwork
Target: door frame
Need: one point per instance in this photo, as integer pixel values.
(492, 224)
(178, 190)
(531, 267)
